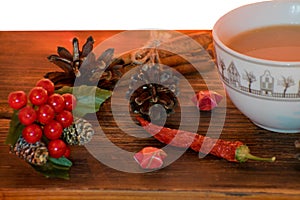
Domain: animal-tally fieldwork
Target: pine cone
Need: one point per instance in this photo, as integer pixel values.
(79, 133)
(36, 153)
(153, 92)
(69, 63)
(70, 135)
(104, 70)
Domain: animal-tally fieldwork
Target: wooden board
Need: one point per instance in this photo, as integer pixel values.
(23, 61)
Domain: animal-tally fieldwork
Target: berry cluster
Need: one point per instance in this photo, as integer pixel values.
(47, 114)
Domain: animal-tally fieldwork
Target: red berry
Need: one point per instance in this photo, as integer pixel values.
(17, 99)
(38, 96)
(45, 114)
(27, 115)
(57, 102)
(57, 148)
(65, 118)
(47, 84)
(53, 130)
(70, 101)
(68, 152)
(32, 133)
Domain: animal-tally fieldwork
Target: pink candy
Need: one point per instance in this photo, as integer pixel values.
(207, 100)
(150, 158)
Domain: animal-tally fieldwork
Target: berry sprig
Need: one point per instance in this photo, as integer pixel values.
(46, 121)
(45, 114)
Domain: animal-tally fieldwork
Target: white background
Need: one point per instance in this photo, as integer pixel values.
(113, 14)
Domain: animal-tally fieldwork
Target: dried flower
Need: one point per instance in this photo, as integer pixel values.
(150, 158)
(207, 100)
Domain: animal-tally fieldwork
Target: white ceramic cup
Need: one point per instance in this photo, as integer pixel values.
(272, 99)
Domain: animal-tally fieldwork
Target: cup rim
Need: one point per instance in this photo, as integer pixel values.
(218, 42)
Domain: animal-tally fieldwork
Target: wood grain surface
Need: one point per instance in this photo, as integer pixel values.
(23, 61)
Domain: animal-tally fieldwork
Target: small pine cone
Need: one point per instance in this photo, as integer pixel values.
(79, 133)
(85, 130)
(153, 92)
(70, 135)
(36, 153)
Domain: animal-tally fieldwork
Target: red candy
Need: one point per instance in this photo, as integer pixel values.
(207, 100)
(150, 158)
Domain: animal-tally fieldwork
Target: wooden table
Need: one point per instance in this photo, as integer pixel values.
(23, 61)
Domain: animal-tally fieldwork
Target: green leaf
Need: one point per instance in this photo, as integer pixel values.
(62, 161)
(89, 98)
(65, 90)
(51, 170)
(15, 129)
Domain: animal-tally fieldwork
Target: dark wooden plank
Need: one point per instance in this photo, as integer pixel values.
(23, 61)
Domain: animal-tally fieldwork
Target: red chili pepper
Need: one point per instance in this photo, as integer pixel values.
(234, 151)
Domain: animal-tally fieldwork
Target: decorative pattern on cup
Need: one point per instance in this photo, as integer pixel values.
(243, 80)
